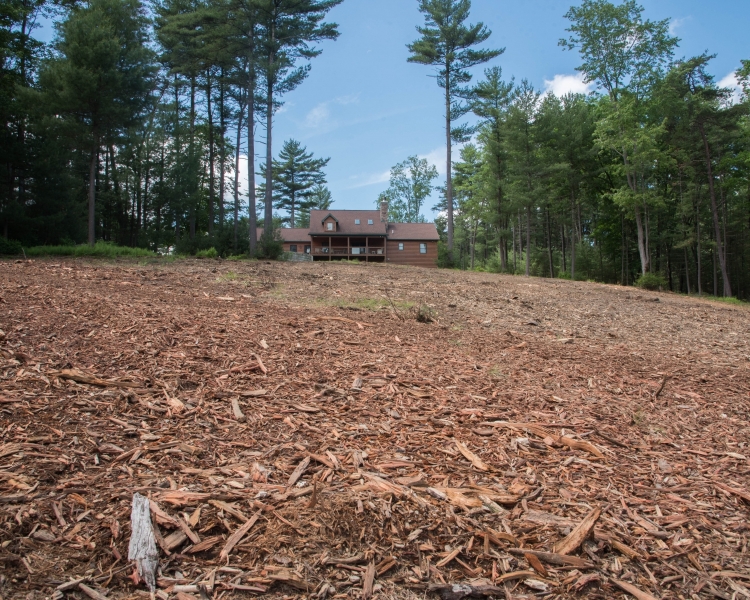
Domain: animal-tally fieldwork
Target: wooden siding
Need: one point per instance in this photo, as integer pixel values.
(300, 246)
(410, 255)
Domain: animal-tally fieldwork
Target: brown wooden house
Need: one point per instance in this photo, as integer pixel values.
(363, 235)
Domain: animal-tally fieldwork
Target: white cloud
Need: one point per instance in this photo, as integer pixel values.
(560, 85)
(318, 116)
(369, 179)
(438, 157)
(730, 81)
(676, 24)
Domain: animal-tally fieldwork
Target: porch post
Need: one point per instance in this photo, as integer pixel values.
(367, 249)
(330, 250)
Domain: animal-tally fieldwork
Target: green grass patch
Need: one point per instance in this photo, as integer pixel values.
(229, 276)
(210, 253)
(99, 250)
(731, 300)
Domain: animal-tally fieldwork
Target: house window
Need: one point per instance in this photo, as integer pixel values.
(423, 248)
(329, 226)
(293, 248)
(401, 245)
(356, 221)
(369, 221)
(307, 249)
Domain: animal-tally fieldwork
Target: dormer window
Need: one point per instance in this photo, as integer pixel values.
(329, 226)
(369, 221)
(356, 221)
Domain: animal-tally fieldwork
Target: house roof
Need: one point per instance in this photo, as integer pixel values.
(291, 235)
(423, 232)
(346, 225)
(413, 231)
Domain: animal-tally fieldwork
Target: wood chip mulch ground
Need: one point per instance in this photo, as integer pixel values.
(335, 430)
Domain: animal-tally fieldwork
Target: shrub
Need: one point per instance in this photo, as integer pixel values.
(210, 253)
(651, 281)
(99, 250)
(425, 314)
(444, 259)
(270, 245)
(11, 247)
(493, 264)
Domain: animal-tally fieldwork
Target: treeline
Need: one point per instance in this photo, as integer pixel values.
(131, 125)
(648, 179)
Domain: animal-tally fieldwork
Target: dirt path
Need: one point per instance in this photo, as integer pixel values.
(378, 453)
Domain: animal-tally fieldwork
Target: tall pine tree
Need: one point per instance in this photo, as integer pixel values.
(447, 44)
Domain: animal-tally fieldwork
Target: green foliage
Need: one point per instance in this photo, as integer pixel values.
(320, 199)
(651, 281)
(210, 253)
(99, 250)
(446, 259)
(447, 43)
(270, 246)
(729, 300)
(620, 50)
(296, 175)
(9, 247)
(411, 184)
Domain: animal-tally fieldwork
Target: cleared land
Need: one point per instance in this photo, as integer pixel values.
(537, 437)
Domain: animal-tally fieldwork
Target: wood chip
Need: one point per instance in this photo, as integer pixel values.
(237, 536)
(579, 534)
(471, 457)
(633, 591)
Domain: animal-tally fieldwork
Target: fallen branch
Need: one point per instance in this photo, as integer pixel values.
(81, 377)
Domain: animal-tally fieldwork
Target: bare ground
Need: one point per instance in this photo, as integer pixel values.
(537, 438)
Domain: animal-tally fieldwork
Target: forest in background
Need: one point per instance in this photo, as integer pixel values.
(128, 129)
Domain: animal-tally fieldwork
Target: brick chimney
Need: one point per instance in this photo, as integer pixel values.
(384, 212)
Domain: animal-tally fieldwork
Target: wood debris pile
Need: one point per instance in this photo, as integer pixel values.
(288, 445)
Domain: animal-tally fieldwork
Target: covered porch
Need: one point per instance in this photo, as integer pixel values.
(366, 249)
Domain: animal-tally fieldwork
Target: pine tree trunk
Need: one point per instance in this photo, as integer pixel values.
(449, 161)
(193, 191)
(268, 214)
(252, 214)
(211, 173)
(222, 152)
(237, 181)
(528, 240)
(716, 279)
(549, 246)
(715, 211)
(642, 250)
(93, 162)
(698, 251)
(573, 238)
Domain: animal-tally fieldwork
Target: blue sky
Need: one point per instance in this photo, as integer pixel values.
(367, 109)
